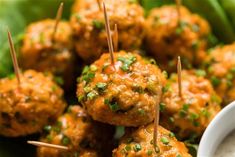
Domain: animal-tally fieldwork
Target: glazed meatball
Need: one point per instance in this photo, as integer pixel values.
(190, 114)
(76, 130)
(139, 143)
(26, 108)
(121, 94)
(89, 27)
(220, 67)
(43, 53)
(83, 5)
(167, 37)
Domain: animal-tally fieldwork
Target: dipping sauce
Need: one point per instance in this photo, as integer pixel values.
(227, 147)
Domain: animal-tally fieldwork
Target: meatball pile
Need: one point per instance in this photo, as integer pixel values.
(89, 29)
(121, 94)
(190, 114)
(76, 130)
(168, 37)
(26, 108)
(125, 91)
(139, 143)
(220, 67)
(42, 52)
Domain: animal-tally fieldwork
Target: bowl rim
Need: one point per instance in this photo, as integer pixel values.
(206, 148)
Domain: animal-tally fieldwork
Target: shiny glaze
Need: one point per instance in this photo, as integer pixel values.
(89, 31)
(25, 109)
(166, 38)
(139, 144)
(132, 94)
(190, 114)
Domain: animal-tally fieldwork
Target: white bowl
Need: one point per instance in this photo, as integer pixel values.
(218, 129)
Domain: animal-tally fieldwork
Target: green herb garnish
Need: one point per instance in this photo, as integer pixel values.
(171, 134)
(149, 152)
(65, 140)
(80, 98)
(127, 148)
(98, 24)
(91, 95)
(47, 128)
(88, 77)
(200, 73)
(166, 88)
(93, 68)
(112, 105)
(162, 107)
(127, 62)
(59, 80)
(101, 86)
(164, 140)
(137, 147)
(215, 81)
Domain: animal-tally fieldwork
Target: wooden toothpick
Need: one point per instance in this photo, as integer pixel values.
(179, 76)
(43, 144)
(98, 2)
(58, 18)
(109, 37)
(115, 38)
(13, 56)
(178, 5)
(156, 124)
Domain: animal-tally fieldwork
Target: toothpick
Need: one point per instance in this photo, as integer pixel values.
(109, 38)
(98, 2)
(13, 56)
(115, 38)
(43, 144)
(178, 4)
(156, 124)
(179, 76)
(58, 18)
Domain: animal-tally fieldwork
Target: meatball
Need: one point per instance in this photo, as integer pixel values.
(76, 130)
(83, 4)
(167, 37)
(43, 53)
(190, 114)
(220, 67)
(121, 94)
(89, 27)
(139, 143)
(25, 109)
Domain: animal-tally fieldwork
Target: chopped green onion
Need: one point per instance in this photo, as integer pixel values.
(101, 86)
(80, 98)
(91, 95)
(137, 147)
(47, 128)
(149, 152)
(127, 148)
(65, 140)
(112, 105)
(93, 68)
(215, 81)
(165, 141)
(162, 107)
(59, 80)
(200, 73)
(127, 62)
(171, 134)
(98, 24)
